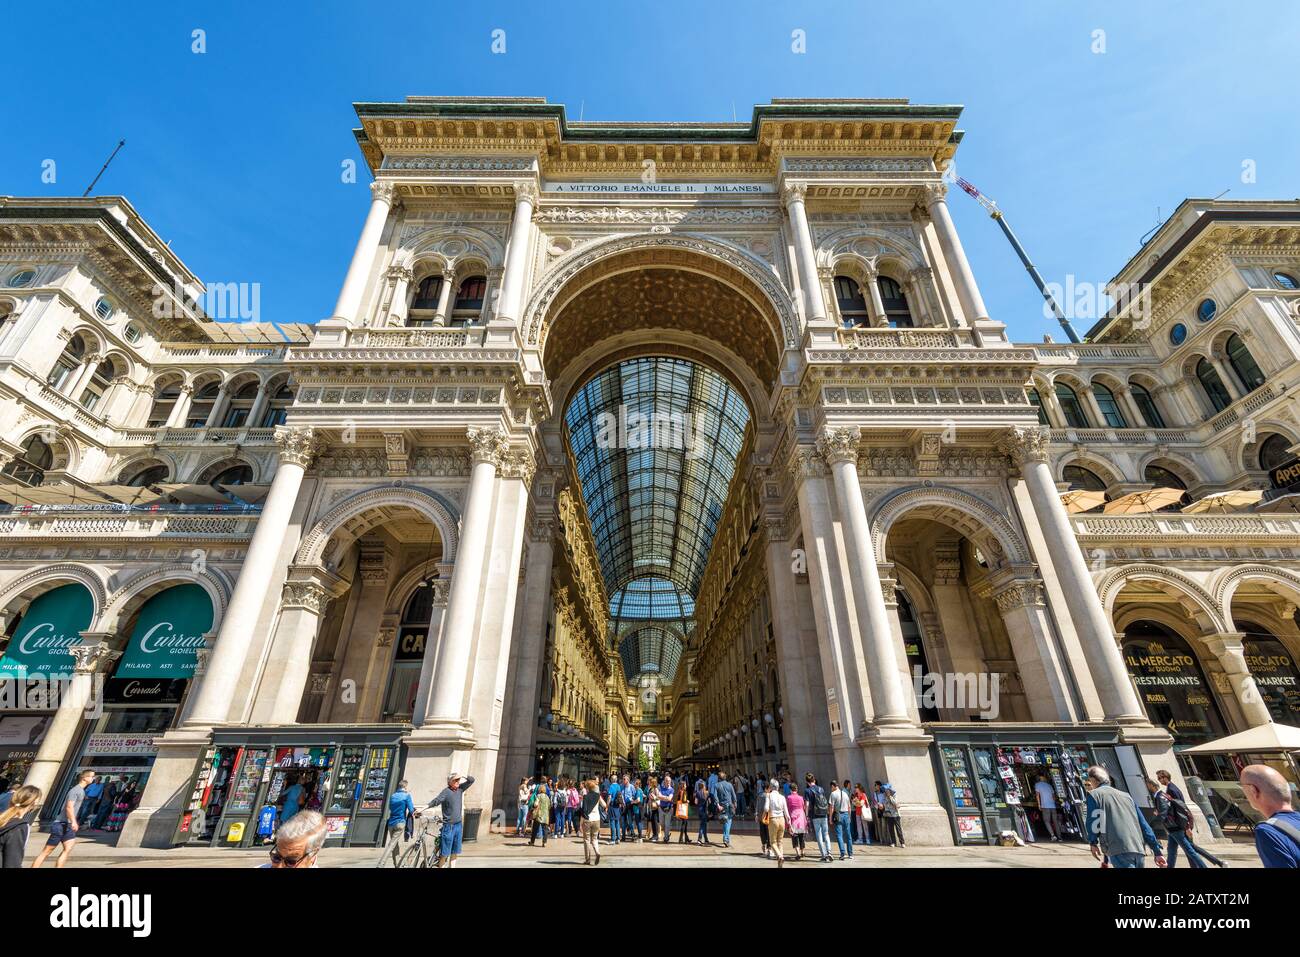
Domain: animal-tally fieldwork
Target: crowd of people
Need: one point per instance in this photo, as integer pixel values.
(647, 807)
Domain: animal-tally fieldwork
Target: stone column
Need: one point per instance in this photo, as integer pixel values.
(258, 408)
(1220, 363)
(842, 667)
(1228, 648)
(814, 304)
(954, 255)
(429, 663)
(446, 711)
(297, 448)
(284, 678)
(517, 249)
(401, 275)
(1027, 447)
(92, 660)
(176, 420)
(445, 292)
(875, 304)
(218, 408)
(82, 376)
(1094, 408)
(354, 283)
(1136, 420)
(916, 283)
(839, 447)
(1021, 603)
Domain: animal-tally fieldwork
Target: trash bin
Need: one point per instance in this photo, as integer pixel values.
(469, 832)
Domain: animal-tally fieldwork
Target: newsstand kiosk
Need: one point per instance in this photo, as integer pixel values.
(237, 796)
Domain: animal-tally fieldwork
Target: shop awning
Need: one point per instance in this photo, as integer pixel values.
(193, 494)
(167, 634)
(52, 624)
(249, 494)
(1238, 500)
(60, 493)
(1148, 500)
(129, 494)
(1283, 503)
(1266, 739)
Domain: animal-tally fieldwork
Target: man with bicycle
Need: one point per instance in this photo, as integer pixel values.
(452, 801)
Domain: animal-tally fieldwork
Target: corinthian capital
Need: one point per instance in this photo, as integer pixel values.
(935, 193)
(839, 445)
(1025, 444)
(519, 463)
(93, 654)
(794, 192)
(805, 463)
(526, 190)
(488, 445)
(383, 190)
(297, 445)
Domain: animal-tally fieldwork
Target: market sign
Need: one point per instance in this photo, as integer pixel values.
(1173, 688)
(167, 633)
(52, 624)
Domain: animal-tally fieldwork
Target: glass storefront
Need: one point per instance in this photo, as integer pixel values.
(1275, 673)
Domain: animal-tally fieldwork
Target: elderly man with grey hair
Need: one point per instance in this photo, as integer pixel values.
(1277, 838)
(1117, 830)
(298, 841)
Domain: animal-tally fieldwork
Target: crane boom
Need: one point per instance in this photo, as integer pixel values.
(996, 214)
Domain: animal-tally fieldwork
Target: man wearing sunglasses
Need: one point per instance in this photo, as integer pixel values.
(298, 841)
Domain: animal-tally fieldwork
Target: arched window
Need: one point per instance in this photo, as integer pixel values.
(1162, 477)
(67, 364)
(1274, 669)
(424, 304)
(1243, 363)
(98, 384)
(1110, 410)
(240, 406)
(29, 466)
(1036, 401)
(1070, 407)
(234, 475)
(1214, 388)
(1274, 451)
(852, 303)
(1147, 406)
(1286, 280)
(469, 300)
(897, 313)
(164, 400)
(408, 654)
(149, 475)
(1082, 478)
(277, 407)
(201, 407)
(1171, 683)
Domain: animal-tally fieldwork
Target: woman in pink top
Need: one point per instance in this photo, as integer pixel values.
(798, 822)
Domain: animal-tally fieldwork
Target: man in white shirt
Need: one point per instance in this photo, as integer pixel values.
(842, 818)
(1047, 806)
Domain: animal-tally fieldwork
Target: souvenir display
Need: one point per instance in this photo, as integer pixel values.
(375, 791)
(349, 775)
(248, 781)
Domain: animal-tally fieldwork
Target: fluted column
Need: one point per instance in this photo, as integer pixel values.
(516, 265)
(297, 447)
(814, 304)
(839, 447)
(1230, 651)
(447, 698)
(1027, 447)
(972, 303)
(92, 658)
(354, 283)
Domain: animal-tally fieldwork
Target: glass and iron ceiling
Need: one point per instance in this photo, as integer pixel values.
(655, 442)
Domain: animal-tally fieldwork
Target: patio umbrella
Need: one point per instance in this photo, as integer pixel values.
(1081, 500)
(1283, 503)
(129, 494)
(1148, 500)
(60, 493)
(193, 494)
(1271, 738)
(1238, 500)
(249, 494)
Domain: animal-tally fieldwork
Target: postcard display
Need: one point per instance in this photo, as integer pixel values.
(239, 793)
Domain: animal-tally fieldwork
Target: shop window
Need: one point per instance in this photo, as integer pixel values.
(1082, 478)
(1274, 452)
(1110, 410)
(1213, 386)
(1071, 408)
(852, 302)
(1243, 363)
(1171, 684)
(1274, 669)
(914, 644)
(1147, 406)
(897, 312)
(408, 655)
(29, 466)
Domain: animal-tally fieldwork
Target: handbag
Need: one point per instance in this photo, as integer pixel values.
(682, 810)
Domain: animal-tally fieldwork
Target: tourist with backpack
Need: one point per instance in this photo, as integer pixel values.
(817, 807)
(1277, 837)
(1178, 822)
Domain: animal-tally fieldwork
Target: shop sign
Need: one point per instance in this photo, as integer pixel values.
(52, 624)
(1170, 680)
(410, 643)
(121, 744)
(23, 730)
(167, 634)
(1286, 474)
(144, 690)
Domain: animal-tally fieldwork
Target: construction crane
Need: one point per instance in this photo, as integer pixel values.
(996, 214)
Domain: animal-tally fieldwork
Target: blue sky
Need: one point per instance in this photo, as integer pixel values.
(234, 155)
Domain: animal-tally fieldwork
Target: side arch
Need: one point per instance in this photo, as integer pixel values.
(28, 585)
(138, 589)
(1111, 583)
(957, 508)
(426, 501)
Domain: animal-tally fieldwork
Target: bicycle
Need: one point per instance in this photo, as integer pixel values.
(421, 852)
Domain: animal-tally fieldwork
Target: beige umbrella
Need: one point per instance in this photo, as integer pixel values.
(250, 494)
(1283, 503)
(1081, 500)
(1238, 500)
(60, 493)
(1268, 738)
(129, 494)
(1148, 500)
(193, 494)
